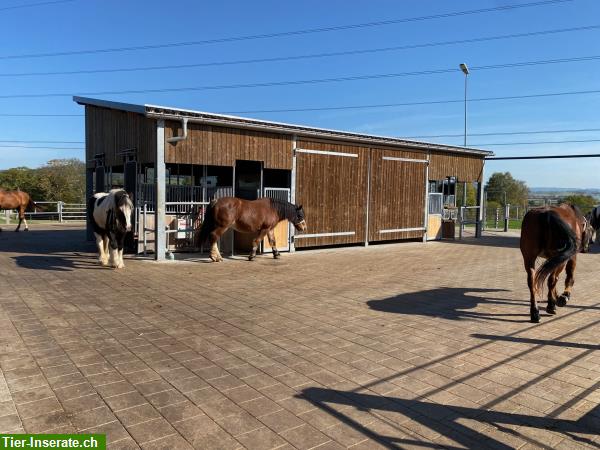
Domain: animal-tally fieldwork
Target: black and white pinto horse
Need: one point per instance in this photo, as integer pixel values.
(110, 215)
(594, 220)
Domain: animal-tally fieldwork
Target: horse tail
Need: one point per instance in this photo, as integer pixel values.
(565, 237)
(33, 206)
(208, 224)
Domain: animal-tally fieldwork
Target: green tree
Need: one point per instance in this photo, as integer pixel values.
(503, 185)
(63, 179)
(59, 179)
(585, 202)
(471, 194)
(22, 178)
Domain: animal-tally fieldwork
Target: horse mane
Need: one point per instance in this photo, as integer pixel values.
(285, 210)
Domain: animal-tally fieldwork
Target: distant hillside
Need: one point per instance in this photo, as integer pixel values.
(561, 192)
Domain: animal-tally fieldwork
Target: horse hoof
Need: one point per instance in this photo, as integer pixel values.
(535, 319)
(562, 300)
(251, 258)
(551, 311)
(276, 255)
(26, 229)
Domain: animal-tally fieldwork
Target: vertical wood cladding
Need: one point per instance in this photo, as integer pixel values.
(465, 167)
(111, 131)
(397, 195)
(221, 146)
(333, 191)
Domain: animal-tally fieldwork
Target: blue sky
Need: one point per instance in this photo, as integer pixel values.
(96, 24)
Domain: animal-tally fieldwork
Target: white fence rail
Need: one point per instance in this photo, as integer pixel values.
(58, 211)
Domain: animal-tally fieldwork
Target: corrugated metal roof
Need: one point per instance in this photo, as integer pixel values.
(165, 112)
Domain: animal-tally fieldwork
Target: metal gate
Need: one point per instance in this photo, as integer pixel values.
(282, 230)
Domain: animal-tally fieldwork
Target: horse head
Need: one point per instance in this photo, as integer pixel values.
(299, 221)
(123, 209)
(587, 233)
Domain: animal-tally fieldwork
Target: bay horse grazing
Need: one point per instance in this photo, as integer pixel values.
(248, 216)
(556, 233)
(19, 200)
(110, 215)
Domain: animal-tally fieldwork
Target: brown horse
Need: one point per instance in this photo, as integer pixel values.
(556, 233)
(20, 201)
(255, 216)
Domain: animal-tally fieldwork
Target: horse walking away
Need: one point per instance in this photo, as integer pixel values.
(556, 233)
(594, 221)
(19, 200)
(110, 215)
(248, 216)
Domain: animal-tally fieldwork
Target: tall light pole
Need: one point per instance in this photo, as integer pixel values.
(465, 70)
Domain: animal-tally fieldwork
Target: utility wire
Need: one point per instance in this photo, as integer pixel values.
(42, 147)
(301, 57)
(30, 5)
(288, 33)
(537, 142)
(506, 133)
(472, 145)
(42, 142)
(431, 102)
(312, 81)
(41, 115)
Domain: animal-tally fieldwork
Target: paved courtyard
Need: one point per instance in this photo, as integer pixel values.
(408, 346)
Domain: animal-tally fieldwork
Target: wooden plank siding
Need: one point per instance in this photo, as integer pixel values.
(110, 131)
(397, 195)
(333, 191)
(464, 167)
(222, 146)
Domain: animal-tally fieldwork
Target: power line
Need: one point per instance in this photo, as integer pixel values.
(420, 103)
(586, 155)
(312, 81)
(30, 5)
(510, 133)
(301, 57)
(538, 142)
(42, 142)
(42, 115)
(42, 147)
(289, 33)
(506, 133)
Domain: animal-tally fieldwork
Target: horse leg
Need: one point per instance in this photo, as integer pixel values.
(102, 259)
(552, 294)
(25, 221)
(255, 243)
(215, 254)
(21, 217)
(569, 282)
(534, 311)
(273, 244)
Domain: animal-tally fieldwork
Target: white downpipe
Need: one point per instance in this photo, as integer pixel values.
(175, 139)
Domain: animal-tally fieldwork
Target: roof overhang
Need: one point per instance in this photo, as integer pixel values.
(169, 113)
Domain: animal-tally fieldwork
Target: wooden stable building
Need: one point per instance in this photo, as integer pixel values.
(355, 188)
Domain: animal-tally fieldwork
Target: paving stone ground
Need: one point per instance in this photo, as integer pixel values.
(410, 346)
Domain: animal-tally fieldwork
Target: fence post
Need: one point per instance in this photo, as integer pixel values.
(60, 211)
(506, 217)
(461, 222)
(497, 218)
(7, 216)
